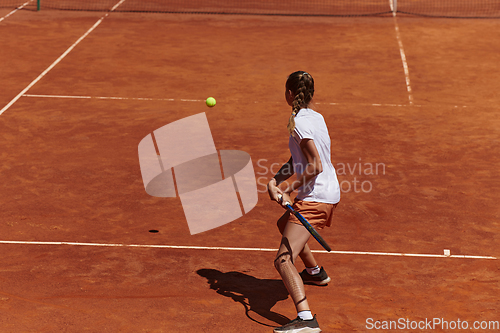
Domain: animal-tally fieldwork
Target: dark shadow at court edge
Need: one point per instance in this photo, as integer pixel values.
(256, 295)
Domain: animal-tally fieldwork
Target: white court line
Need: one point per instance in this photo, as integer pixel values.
(104, 97)
(402, 51)
(180, 99)
(58, 60)
(184, 100)
(374, 104)
(173, 100)
(200, 100)
(395, 254)
(15, 10)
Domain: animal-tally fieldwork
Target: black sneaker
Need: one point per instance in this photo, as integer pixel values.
(299, 325)
(319, 279)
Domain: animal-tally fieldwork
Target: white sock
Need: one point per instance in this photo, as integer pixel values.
(313, 271)
(305, 315)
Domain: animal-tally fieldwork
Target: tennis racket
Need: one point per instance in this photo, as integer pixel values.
(308, 226)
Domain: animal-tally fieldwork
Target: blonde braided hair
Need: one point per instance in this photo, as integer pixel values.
(301, 84)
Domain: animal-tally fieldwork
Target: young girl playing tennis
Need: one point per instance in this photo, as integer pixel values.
(317, 197)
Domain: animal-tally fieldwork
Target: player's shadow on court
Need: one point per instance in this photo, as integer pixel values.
(256, 295)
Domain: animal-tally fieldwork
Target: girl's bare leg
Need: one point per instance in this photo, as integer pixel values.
(305, 255)
(293, 241)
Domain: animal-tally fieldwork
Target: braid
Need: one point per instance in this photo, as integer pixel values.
(302, 85)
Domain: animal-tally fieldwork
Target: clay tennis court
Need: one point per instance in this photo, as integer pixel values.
(417, 152)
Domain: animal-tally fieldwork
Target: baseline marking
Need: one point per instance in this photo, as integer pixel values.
(245, 249)
(15, 10)
(58, 60)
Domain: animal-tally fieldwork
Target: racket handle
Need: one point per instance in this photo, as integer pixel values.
(281, 199)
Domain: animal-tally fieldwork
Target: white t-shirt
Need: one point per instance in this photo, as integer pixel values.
(310, 124)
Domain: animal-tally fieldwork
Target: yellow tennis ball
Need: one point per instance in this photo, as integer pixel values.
(210, 102)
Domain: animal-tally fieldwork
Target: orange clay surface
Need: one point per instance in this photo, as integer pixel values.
(69, 170)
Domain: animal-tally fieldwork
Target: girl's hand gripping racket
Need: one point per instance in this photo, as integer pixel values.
(308, 226)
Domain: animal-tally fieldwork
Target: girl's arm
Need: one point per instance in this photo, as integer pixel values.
(285, 172)
(313, 168)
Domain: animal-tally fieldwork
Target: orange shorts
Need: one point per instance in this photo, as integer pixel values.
(318, 214)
